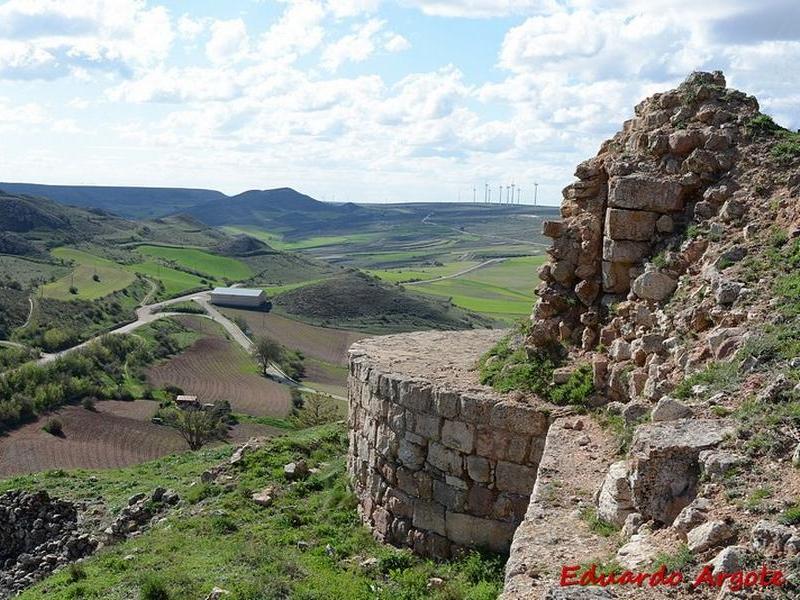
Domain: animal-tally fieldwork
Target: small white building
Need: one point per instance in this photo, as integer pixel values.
(238, 297)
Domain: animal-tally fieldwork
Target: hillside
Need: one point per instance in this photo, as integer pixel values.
(357, 301)
(130, 202)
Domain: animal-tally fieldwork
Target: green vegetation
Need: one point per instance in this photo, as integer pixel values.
(787, 146)
(621, 429)
(757, 497)
(359, 302)
(790, 516)
(676, 561)
(200, 263)
(268, 351)
(715, 377)
(173, 282)
(110, 368)
(57, 324)
(596, 524)
(509, 366)
(54, 426)
(12, 356)
(110, 277)
(188, 307)
(227, 540)
(764, 430)
(502, 290)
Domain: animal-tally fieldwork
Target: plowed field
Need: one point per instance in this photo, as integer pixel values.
(215, 369)
(117, 434)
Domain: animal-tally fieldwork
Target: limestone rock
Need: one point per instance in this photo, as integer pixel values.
(642, 192)
(654, 285)
(716, 463)
(776, 390)
(217, 594)
(635, 411)
(729, 560)
(638, 552)
(669, 409)
(770, 538)
(614, 502)
(265, 497)
(709, 535)
(295, 470)
(665, 464)
(635, 225)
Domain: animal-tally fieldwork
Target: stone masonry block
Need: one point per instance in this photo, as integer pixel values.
(458, 435)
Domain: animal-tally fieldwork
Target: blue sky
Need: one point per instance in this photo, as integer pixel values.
(361, 100)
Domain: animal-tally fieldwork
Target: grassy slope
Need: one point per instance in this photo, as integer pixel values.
(503, 290)
(112, 277)
(221, 538)
(212, 264)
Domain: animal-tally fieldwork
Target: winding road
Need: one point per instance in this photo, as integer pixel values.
(152, 312)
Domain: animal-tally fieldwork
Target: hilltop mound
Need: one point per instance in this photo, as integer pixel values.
(22, 214)
(242, 245)
(256, 206)
(358, 301)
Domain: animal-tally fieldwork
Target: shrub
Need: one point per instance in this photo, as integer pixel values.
(576, 389)
(73, 290)
(597, 524)
(96, 277)
(153, 588)
(791, 516)
(54, 426)
(76, 572)
(89, 403)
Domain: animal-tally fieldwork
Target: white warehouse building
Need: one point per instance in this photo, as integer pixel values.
(241, 297)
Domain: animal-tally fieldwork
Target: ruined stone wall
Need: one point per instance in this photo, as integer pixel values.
(437, 460)
(624, 243)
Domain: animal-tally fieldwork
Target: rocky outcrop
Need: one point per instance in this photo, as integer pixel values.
(38, 534)
(141, 510)
(438, 461)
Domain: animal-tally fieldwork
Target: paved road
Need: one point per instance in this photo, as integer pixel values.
(152, 312)
(485, 263)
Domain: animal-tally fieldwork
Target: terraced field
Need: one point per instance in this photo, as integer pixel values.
(216, 369)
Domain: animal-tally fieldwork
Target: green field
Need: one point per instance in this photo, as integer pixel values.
(218, 267)
(175, 282)
(112, 277)
(503, 291)
(403, 275)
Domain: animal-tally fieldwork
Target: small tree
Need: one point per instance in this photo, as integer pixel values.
(318, 409)
(197, 426)
(267, 351)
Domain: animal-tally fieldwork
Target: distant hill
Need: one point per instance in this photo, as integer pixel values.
(358, 301)
(130, 202)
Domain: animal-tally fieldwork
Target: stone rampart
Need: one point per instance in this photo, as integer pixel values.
(439, 461)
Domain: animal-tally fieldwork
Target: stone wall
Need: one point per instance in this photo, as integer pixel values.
(437, 460)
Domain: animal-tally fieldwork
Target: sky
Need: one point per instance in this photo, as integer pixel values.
(360, 100)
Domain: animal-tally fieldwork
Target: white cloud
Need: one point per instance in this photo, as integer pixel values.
(47, 39)
(394, 42)
(297, 32)
(229, 41)
(351, 8)
(190, 28)
(355, 47)
(481, 8)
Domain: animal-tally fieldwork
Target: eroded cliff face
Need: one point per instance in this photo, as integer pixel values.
(672, 274)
